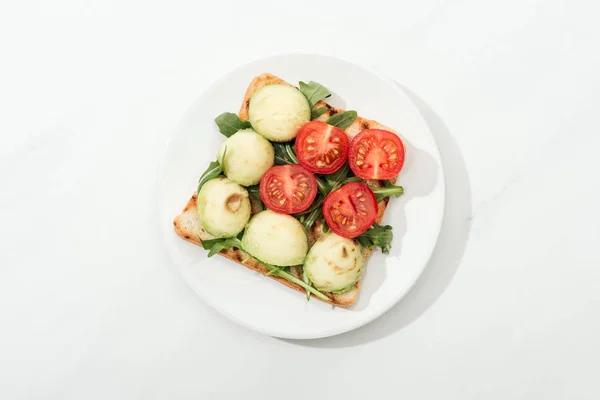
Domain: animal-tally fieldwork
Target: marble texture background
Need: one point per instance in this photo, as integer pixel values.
(508, 305)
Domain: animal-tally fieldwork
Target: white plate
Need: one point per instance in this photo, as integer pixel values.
(260, 303)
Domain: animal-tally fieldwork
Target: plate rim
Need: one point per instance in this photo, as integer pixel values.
(369, 317)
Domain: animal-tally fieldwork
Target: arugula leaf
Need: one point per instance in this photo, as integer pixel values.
(387, 190)
(316, 204)
(253, 189)
(273, 270)
(314, 92)
(284, 154)
(324, 189)
(216, 245)
(311, 218)
(254, 194)
(377, 235)
(317, 112)
(336, 179)
(307, 281)
(214, 169)
(343, 120)
(229, 123)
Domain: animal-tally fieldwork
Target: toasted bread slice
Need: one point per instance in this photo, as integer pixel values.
(188, 226)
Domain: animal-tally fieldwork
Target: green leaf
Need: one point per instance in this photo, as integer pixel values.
(316, 204)
(387, 190)
(214, 169)
(336, 179)
(314, 92)
(284, 154)
(324, 189)
(352, 179)
(254, 194)
(216, 245)
(325, 226)
(274, 271)
(311, 218)
(317, 112)
(307, 281)
(342, 120)
(377, 235)
(286, 275)
(229, 123)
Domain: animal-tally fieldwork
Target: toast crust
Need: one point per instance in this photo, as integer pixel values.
(188, 227)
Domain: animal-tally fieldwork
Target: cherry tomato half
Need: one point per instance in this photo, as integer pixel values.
(376, 154)
(351, 209)
(288, 189)
(321, 148)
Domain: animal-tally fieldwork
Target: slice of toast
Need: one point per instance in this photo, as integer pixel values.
(188, 226)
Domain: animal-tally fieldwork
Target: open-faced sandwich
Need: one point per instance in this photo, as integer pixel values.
(298, 190)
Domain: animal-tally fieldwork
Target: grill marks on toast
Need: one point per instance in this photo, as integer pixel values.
(187, 225)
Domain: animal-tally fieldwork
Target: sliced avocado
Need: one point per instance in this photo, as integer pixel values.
(276, 239)
(278, 111)
(248, 157)
(223, 207)
(334, 263)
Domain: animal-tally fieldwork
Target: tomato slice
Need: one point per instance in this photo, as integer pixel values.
(288, 189)
(321, 148)
(376, 154)
(351, 209)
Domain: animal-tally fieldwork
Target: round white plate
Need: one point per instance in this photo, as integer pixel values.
(260, 303)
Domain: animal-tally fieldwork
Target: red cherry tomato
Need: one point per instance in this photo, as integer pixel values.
(376, 154)
(351, 209)
(321, 148)
(288, 189)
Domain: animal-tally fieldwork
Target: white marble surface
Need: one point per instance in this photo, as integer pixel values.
(90, 307)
